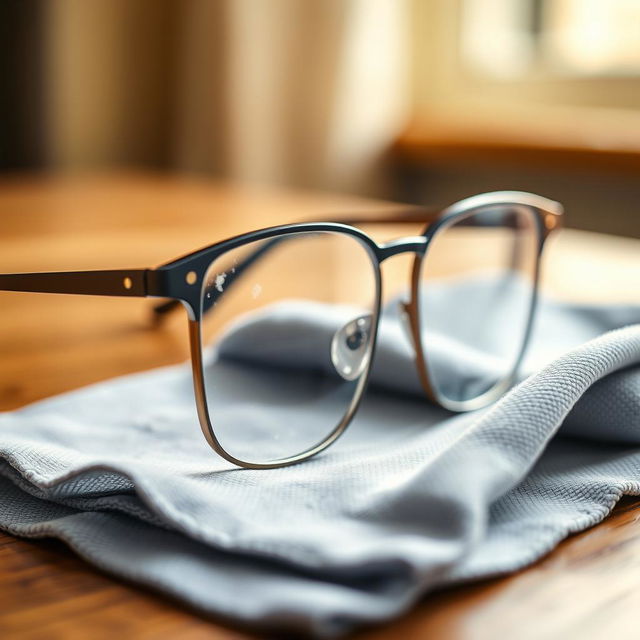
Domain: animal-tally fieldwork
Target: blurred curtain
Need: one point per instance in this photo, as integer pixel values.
(278, 91)
(21, 100)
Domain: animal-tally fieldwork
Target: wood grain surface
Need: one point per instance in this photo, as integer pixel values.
(589, 587)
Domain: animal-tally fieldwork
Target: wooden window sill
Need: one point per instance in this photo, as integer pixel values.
(590, 139)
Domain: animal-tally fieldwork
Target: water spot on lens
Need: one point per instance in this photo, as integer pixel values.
(219, 282)
(256, 291)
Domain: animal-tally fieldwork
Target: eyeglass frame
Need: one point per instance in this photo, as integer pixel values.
(176, 281)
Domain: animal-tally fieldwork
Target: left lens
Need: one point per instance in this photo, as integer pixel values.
(292, 320)
(476, 291)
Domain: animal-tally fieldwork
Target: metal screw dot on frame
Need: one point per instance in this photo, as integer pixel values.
(191, 277)
(127, 282)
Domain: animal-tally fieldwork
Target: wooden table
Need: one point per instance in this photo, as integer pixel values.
(590, 584)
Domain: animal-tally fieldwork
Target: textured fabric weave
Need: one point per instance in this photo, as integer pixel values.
(409, 499)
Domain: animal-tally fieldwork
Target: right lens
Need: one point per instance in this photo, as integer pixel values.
(476, 295)
(292, 318)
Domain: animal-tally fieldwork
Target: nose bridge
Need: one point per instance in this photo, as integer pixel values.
(408, 244)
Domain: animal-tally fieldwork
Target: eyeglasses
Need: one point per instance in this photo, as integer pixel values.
(299, 306)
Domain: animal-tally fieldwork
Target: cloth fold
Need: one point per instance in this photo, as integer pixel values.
(411, 498)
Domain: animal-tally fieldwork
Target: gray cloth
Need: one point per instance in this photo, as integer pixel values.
(411, 497)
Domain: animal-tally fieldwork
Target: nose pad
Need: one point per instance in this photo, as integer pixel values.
(349, 347)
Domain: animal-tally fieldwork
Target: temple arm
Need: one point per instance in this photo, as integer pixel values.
(129, 282)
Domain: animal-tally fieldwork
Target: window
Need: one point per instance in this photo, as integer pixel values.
(554, 52)
(511, 38)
